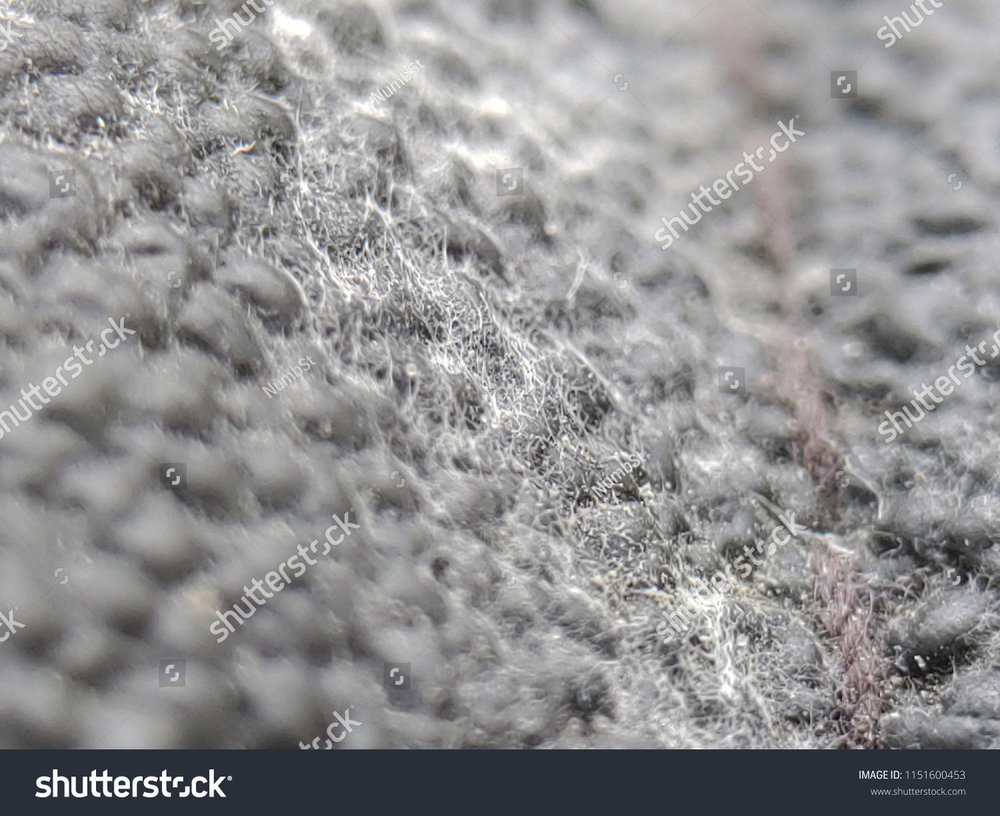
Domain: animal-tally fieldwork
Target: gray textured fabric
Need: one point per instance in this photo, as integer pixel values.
(511, 389)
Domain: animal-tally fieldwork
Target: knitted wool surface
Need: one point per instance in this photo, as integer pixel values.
(513, 391)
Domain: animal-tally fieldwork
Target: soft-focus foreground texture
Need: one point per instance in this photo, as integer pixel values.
(490, 348)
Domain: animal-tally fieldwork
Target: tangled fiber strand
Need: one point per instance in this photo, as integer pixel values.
(864, 670)
(860, 689)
